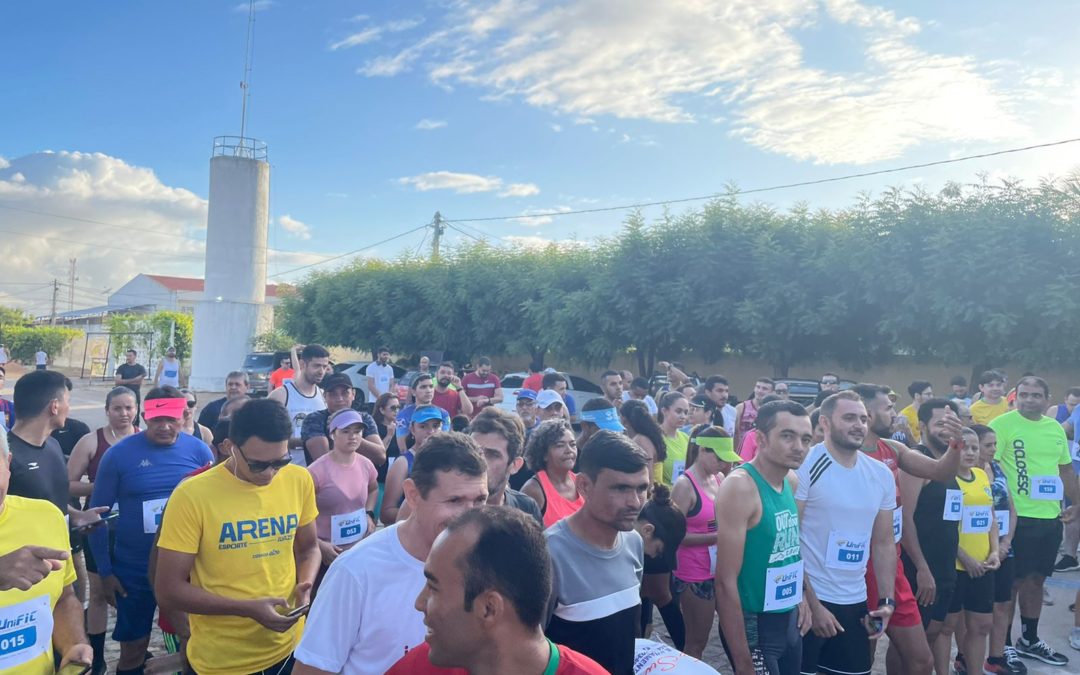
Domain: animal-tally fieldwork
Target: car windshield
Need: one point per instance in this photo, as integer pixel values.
(259, 360)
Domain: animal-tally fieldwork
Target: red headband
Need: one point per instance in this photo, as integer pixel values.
(164, 407)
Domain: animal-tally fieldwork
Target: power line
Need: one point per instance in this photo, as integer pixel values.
(461, 231)
(554, 213)
(349, 253)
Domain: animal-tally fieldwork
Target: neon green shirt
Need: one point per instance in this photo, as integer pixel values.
(675, 464)
(1030, 454)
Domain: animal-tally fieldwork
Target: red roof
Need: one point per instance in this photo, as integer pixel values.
(189, 284)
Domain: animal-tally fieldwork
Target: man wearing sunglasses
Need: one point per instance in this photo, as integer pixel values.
(139, 473)
(238, 550)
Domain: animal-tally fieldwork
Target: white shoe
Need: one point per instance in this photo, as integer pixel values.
(1074, 638)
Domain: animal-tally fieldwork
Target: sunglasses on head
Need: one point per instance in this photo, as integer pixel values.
(258, 466)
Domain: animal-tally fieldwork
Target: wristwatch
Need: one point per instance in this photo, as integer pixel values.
(376, 520)
(886, 602)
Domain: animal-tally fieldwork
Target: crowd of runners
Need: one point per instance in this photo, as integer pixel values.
(439, 532)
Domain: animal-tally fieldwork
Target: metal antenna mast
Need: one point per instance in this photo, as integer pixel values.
(249, 54)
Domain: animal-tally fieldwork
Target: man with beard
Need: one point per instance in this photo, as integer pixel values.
(501, 437)
(909, 651)
(612, 385)
(301, 396)
(482, 386)
(931, 534)
(718, 389)
(1034, 455)
(449, 394)
(380, 374)
(846, 501)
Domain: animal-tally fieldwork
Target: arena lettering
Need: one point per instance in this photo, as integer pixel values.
(258, 529)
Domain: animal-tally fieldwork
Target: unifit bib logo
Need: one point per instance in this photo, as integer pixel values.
(1023, 481)
(850, 551)
(260, 531)
(786, 544)
(785, 585)
(18, 632)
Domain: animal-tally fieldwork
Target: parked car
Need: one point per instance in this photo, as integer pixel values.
(579, 387)
(805, 392)
(357, 373)
(258, 366)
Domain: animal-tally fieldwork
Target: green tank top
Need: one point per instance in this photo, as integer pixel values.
(770, 579)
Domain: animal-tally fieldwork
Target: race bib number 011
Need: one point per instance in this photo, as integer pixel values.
(847, 551)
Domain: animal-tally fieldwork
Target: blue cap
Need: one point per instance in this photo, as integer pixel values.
(426, 413)
(526, 393)
(606, 418)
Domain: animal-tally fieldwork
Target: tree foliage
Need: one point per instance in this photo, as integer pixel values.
(165, 329)
(25, 341)
(979, 274)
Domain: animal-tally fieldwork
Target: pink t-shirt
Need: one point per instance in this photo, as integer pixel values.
(748, 447)
(340, 490)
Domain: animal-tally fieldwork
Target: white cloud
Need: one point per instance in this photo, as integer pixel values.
(468, 183)
(142, 225)
(556, 128)
(428, 125)
(538, 217)
(677, 61)
(296, 228)
(260, 5)
(373, 33)
(535, 241)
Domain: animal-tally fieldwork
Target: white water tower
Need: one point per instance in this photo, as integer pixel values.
(233, 308)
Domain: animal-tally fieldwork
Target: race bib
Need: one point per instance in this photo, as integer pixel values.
(678, 468)
(897, 523)
(151, 514)
(1049, 488)
(783, 586)
(348, 528)
(712, 559)
(1002, 516)
(847, 551)
(25, 632)
(977, 519)
(954, 505)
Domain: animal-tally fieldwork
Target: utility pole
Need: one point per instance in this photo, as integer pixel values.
(55, 292)
(440, 229)
(71, 284)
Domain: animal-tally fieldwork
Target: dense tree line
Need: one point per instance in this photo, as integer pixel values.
(981, 274)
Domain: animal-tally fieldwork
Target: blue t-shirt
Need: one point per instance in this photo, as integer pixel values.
(140, 477)
(404, 419)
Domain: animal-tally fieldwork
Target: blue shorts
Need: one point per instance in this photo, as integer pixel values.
(134, 612)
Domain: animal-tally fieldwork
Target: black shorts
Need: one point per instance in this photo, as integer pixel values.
(1003, 580)
(846, 653)
(1035, 546)
(942, 599)
(973, 594)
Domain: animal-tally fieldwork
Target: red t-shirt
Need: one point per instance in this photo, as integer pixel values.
(449, 400)
(278, 377)
(416, 662)
(534, 382)
(474, 385)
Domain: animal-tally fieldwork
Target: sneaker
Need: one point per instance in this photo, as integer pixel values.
(1074, 638)
(996, 669)
(1013, 660)
(1041, 651)
(1067, 563)
(959, 666)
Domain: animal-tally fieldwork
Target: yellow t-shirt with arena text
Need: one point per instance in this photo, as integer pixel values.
(26, 617)
(242, 537)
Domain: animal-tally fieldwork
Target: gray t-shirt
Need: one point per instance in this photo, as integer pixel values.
(596, 601)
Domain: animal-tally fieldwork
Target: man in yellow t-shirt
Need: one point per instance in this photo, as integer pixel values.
(993, 402)
(38, 608)
(920, 392)
(238, 550)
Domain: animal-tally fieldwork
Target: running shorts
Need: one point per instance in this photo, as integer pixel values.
(1035, 546)
(846, 653)
(973, 594)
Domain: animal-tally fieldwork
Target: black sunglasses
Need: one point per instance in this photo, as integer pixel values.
(191, 404)
(258, 466)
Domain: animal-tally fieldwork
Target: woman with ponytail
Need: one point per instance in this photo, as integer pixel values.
(643, 430)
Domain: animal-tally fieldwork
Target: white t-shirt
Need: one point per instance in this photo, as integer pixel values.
(728, 413)
(838, 521)
(380, 376)
(41, 358)
(363, 619)
(650, 402)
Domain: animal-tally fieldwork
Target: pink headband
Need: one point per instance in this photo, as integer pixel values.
(164, 407)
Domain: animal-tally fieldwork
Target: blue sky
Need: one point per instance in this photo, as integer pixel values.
(379, 113)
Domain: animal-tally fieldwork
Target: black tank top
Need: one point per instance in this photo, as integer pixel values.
(938, 538)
